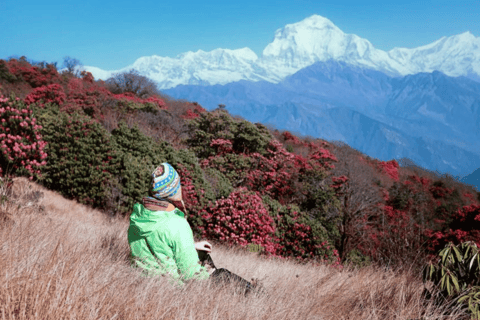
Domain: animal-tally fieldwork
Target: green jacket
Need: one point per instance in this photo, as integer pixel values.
(162, 243)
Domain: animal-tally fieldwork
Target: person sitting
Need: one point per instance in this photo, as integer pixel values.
(160, 238)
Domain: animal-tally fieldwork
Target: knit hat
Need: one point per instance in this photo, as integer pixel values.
(166, 182)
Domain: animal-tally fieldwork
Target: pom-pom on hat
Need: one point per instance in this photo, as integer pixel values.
(166, 182)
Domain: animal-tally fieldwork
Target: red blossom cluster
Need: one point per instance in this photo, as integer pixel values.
(290, 138)
(21, 143)
(84, 95)
(241, 219)
(189, 114)
(390, 168)
(52, 93)
(189, 193)
(35, 76)
(339, 182)
(221, 146)
(440, 192)
(466, 226)
(273, 173)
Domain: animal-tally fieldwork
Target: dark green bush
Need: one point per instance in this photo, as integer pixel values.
(221, 186)
(299, 235)
(245, 136)
(81, 157)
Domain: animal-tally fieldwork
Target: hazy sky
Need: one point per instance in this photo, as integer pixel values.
(113, 34)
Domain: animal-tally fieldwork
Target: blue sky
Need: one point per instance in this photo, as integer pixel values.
(113, 34)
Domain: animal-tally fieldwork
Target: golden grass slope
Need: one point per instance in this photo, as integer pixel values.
(62, 260)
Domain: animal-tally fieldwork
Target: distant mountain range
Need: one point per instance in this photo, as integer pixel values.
(430, 118)
(313, 79)
(301, 44)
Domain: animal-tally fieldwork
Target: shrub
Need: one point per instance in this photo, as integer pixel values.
(82, 159)
(138, 156)
(274, 173)
(300, 236)
(235, 167)
(244, 136)
(52, 93)
(85, 96)
(21, 144)
(240, 219)
(455, 275)
(130, 102)
(33, 75)
(221, 186)
(196, 190)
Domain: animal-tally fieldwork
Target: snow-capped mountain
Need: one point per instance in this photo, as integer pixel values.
(455, 56)
(301, 44)
(316, 38)
(219, 66)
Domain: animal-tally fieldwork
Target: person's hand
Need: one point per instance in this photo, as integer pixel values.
(203, 246)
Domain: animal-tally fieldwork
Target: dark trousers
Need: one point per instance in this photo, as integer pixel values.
(222, 276)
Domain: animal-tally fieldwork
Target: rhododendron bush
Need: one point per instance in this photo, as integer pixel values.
(464, 226)
(302, 237)
(243, 218)
(21, 144)
(81, 158)
(240, 219)
(53, 93)
(33, 75)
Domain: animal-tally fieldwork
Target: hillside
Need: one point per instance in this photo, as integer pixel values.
(287, 205)
(244, 184)
(60, 259)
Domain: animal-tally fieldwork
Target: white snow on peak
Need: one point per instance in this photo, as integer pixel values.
(455, 56)
(301, 44)
(317, 39)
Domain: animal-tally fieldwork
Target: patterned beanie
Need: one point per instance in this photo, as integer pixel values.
(166, 182)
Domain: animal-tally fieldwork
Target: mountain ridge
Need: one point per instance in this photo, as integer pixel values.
(300, 44)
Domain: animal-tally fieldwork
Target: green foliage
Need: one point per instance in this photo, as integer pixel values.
(139, 156)
(81, 158)
(245, 136)
(456, 275)
(235, 167)
(399, 196)
(221, 186)
(320, 201)
(357, 259)
(299, 235)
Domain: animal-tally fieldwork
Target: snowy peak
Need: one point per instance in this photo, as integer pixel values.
(219, 55)
(313, 39)
(218, 66)
(301, 44)
(455, 56)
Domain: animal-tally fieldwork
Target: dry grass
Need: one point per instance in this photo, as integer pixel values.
(61, 260)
